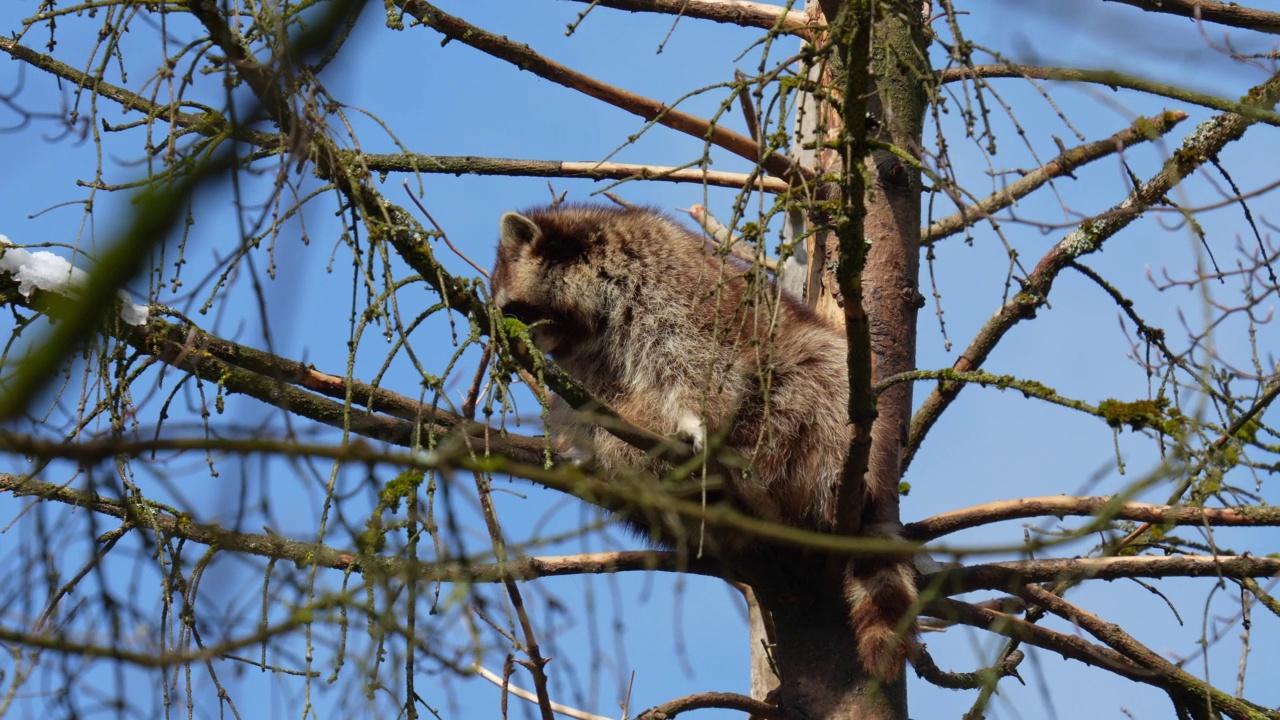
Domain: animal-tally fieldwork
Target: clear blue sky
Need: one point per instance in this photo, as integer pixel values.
(683, 635)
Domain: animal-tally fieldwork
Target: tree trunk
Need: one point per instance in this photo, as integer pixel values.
(822, 677)
(815, 652)
(891, 278)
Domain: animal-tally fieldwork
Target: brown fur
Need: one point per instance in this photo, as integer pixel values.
(678, 339)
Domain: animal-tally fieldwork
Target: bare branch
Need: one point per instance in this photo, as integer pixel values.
(1206, 142)
(523, 694)
(1142, 130)
(526, 59)
(536, 664)
(1068, 646)
(208, 124)
(280, 382)
(1010, 575)
(1029, 388)
(58, 641)
(722, 237)
(1171, 677)
(619, 494)
(472, 165)
(1268, 600)
(700, 701)
(929, 670)
(1230, 14)
(732, 12)
(1113, 79)
(271, 545)
(1061, 505)
(747, 105)
(211, 124)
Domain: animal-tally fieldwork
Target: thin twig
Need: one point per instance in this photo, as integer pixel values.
(525, 58)
(536, 664)
(523, 694)
(1206, 142)
(1169, 676)
(748, 108)
(443, 235)
(1113, 79)
(1142, 130)
(274, 545)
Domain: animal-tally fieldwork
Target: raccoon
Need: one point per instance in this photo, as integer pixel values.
(679, 339)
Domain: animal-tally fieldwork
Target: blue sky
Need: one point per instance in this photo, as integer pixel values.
(680, 635)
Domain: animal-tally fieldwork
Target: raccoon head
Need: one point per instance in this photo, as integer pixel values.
(544, 278)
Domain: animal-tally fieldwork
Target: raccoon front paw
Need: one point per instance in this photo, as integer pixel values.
(690, 428)
(577, 457)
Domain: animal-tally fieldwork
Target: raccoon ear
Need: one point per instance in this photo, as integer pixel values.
(517, 230)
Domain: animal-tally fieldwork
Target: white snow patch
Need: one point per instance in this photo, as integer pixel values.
(43, 270)
(131, 312)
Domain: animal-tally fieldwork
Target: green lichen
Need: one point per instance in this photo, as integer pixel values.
(1248, 432)
(372, 540)
(1175, 423)
(1147, 128)
(1032, 388)
(401, 487)
(1026, 299)
(1229, 457)
(1135, 415)
(515, 328)
(1187, 157)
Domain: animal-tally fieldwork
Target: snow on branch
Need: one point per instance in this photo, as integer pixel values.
(45, 271)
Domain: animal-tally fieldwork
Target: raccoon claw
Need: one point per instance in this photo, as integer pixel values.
(691, 429)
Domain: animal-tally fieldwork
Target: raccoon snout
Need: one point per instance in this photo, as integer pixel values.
(524, 312)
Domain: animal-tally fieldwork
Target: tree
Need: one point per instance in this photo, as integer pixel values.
(233, 467)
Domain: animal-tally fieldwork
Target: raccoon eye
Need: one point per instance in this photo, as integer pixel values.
(560, 249)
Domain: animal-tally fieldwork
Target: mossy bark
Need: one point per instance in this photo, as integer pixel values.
(864, 273)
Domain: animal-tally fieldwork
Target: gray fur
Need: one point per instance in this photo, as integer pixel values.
(678, 339)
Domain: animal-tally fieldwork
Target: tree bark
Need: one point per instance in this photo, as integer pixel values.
(763, 678)
(891, 294)
(815, 652)
(822, 675)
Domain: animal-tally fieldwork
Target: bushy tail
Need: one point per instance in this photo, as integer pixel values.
(881, 591)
